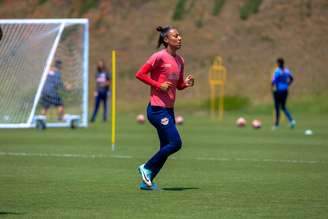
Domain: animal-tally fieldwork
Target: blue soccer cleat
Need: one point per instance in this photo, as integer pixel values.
(145, 175)
(143, 186)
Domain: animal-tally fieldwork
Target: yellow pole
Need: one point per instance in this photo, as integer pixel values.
(113, 98)
(212, 100)
(221, 111)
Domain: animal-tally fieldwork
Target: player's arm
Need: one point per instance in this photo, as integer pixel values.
(184, 83)
(273, 81)
(187, 82)
(291, 78)
(143, 75)
(68, 86)
(108, 81)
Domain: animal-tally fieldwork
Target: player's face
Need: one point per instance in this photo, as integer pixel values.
(174, 39)
(100, 64)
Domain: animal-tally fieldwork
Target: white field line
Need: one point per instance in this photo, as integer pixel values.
(89, 156)
(96, 156)
(263, 160)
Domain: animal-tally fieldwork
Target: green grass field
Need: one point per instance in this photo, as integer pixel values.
(221, 172)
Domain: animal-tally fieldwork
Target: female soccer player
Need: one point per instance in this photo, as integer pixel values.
(166, 70)
(281, 80)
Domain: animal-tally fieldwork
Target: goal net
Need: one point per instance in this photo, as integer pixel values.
(43, 72)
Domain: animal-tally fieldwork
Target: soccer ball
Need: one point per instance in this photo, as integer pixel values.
(256, 124)
(241, 122)
(140, 119)
(308, 132)
(179, 120)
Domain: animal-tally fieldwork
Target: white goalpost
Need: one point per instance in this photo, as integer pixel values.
(44, 72)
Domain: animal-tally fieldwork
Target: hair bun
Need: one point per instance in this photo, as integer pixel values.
(159, 28)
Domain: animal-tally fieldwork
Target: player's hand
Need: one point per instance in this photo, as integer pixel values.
(166, 85)
(189, 81)
(68, 86)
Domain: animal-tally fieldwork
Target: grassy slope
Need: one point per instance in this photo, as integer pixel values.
(249, 48)
(222, 172)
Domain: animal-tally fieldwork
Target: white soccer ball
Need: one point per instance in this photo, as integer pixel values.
(308, 132)
(140, 119)
(179, 120)
(256, 124)
(241, 122)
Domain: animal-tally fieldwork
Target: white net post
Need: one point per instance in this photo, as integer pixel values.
(29, 51)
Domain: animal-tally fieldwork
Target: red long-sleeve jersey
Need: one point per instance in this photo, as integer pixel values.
(162, 67)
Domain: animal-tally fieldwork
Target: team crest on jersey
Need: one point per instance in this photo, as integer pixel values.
(165, 121)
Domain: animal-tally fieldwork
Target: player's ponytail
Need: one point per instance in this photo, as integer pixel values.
(162, 34)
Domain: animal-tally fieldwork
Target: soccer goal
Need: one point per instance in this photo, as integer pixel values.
(44, 72)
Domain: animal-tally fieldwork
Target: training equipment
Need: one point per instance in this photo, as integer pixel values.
(33, 50)
(113, 99)
(217, 76)
(140, 119)
(256, 124)
(179, 120)
(308, 132)
(241, 122)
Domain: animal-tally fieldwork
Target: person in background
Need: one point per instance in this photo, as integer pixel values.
(103, 80)
(281, 80)
(50, 95)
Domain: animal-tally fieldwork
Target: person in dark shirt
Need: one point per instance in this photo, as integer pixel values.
(103, 80)
(50, 95)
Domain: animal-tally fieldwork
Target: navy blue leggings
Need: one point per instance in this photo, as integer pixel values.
(101, 97)
(280, 98)
(170, 142)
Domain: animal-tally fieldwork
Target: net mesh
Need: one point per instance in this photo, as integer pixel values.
(25, 55)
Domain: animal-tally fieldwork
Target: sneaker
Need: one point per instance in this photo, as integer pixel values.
(292, 124)
(143, 186)
(145, 175)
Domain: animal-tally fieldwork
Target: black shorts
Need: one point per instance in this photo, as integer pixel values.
(47, 101)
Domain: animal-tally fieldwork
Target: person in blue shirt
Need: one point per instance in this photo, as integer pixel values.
(50, 95)
(103, 80)
(281, 80)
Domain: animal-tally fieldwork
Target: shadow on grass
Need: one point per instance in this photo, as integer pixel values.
(9, 213)
(177, 189)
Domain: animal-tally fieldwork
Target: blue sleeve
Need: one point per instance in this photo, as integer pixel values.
(290, 76)
(274, 76)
